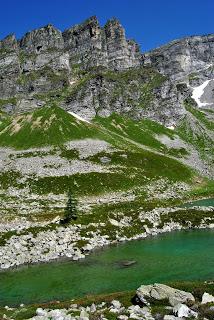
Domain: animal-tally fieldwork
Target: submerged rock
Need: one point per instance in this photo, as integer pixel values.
(129, 263)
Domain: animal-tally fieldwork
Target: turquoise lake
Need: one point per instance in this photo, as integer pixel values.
(183, 255)
(202, 202)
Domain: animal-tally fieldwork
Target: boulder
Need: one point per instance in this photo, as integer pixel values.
(84, 315)
(116, 307)
(162, 292)
(122, 317)
(41, 312)
(57, 314)
(181, 310)
(93, 308)
(136, 312)
(206, 298)
(116, 304)
(170, 317)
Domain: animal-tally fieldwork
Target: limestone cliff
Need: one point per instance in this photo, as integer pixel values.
(93, 70)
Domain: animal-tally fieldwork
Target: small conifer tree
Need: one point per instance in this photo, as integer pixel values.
(70, 209)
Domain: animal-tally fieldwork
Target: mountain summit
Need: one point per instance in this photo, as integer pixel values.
(96, 71)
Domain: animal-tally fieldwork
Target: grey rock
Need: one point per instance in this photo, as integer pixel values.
(93, 308)
(206, 298)
(95, 60)
(105, 160)
(181, 57)
(84, 315)
(42, 39)
(116, 304)
(57, 314)
(41, 312)
(161, 292)
(181, 310)
(171, 317)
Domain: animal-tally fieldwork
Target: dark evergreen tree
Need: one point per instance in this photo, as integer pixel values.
(71, 209)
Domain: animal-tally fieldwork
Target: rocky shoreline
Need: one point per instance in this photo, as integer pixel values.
(68, 243)
(150, 302)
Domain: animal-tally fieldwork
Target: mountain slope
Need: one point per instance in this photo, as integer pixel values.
(144, 132)
(129, 134)
(46, 126)
(95, 72)
(119, 169)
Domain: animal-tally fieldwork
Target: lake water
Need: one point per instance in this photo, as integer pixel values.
(183, 255)
(201, 203)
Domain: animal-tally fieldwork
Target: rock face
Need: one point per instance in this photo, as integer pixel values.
(92, 71)
(93, 46)
(41, 40)
(9, 66)
(43, 53)
(186, 63)
(182, 57)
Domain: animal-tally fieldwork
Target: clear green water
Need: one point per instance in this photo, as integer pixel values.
(185, 255)
(202, 202)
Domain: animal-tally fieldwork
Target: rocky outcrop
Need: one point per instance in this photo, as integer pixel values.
(90, 46)
(86, 44)
(187, 63)
(41, 40)
(46, 59)
(122, 54)
(88, 69)
(9, 67)
(182, 57)
(9, 43)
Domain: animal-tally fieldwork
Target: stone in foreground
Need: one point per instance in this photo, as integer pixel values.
(181, 310)
(162, 292)
(206, 298)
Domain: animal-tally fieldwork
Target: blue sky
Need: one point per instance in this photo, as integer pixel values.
(150, 22)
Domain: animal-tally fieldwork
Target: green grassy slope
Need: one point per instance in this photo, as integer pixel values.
(130, 172)
(138, 169)
(143, 132)
(45, 126)
(4, 121)
(196, 129)
(130, 166)
(201, 116)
